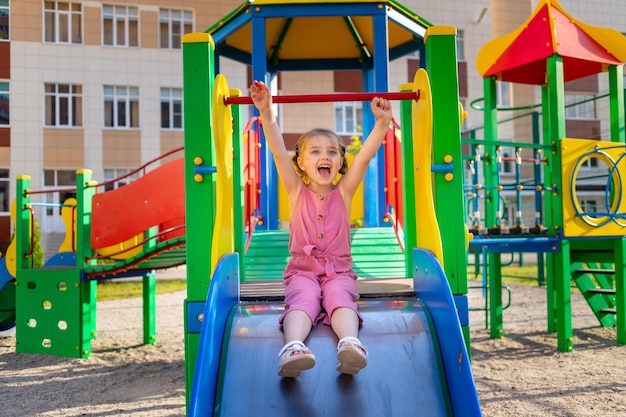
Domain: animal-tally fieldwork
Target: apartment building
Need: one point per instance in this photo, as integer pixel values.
(88, 84)
(98, 84)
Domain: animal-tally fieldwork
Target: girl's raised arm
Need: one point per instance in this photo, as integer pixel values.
(382, 111)
(262, 99)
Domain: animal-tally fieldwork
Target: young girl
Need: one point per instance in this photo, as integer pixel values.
(320, 284)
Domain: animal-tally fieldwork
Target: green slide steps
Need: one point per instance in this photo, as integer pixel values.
(375, 253)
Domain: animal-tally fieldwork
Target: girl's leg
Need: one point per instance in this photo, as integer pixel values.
(345, 322)
(351, 354)
(295, 356)
(296, 326)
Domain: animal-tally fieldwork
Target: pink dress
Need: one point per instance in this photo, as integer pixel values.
(319, 276)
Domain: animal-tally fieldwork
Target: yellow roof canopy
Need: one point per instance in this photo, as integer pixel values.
(318, 34)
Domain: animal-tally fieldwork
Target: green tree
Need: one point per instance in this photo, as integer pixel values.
(38, 254)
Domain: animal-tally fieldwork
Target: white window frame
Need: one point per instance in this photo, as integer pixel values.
(65, 99)
(116, 97)
(504, 94)
(171, 108)
(173, 24)
(112, 173)
(353, 109)
(5, 96)
(64, 22)
(120, 18)
(5, 8)
(60, 178)
(582, 111)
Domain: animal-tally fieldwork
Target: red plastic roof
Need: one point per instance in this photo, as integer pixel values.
(521, 55)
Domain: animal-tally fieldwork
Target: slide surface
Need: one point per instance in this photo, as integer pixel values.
(418, 364)
(403, 376)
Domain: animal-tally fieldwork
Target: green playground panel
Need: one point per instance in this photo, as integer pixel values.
(376, 253)
(54, 312)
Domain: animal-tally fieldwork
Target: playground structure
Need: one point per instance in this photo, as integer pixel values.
(586, 246)
(55, 304)
(128, 231)
(231, 335)
(227, 331)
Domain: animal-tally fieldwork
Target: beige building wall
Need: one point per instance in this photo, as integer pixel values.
(92, 28)
(121, 149)
(63, 148)
(299, 118)
(26, 19)
(92, 65)
(148, 67)
(35, 148)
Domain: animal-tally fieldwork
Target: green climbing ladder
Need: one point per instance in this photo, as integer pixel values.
(597, 269)
(596, 282)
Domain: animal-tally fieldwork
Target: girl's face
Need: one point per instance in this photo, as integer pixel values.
(321, 160)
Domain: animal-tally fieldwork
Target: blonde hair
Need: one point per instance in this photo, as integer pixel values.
(301, 145)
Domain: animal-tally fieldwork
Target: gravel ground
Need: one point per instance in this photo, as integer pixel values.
(521, 374)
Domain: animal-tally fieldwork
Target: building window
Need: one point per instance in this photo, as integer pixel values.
(120, 25)
(64, 105)
(503, 94)
(460, 45)
(4, 103)
(591, 163)
(57, 178)
(63, 22)
(349, 118)
(5, 182)
(173, 24)
(4, 20)
(506, 162)
(589, 206)
(112, 174)
(584, 110)
(121, 107)
(171, 108)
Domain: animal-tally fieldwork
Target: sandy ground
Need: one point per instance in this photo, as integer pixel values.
(522, 374)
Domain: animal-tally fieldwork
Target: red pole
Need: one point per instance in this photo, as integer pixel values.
(321, 98)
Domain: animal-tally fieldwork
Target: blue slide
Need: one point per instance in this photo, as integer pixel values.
(418, 362)
(7, 297)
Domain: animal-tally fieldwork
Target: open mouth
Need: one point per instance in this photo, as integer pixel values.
(324, 170)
